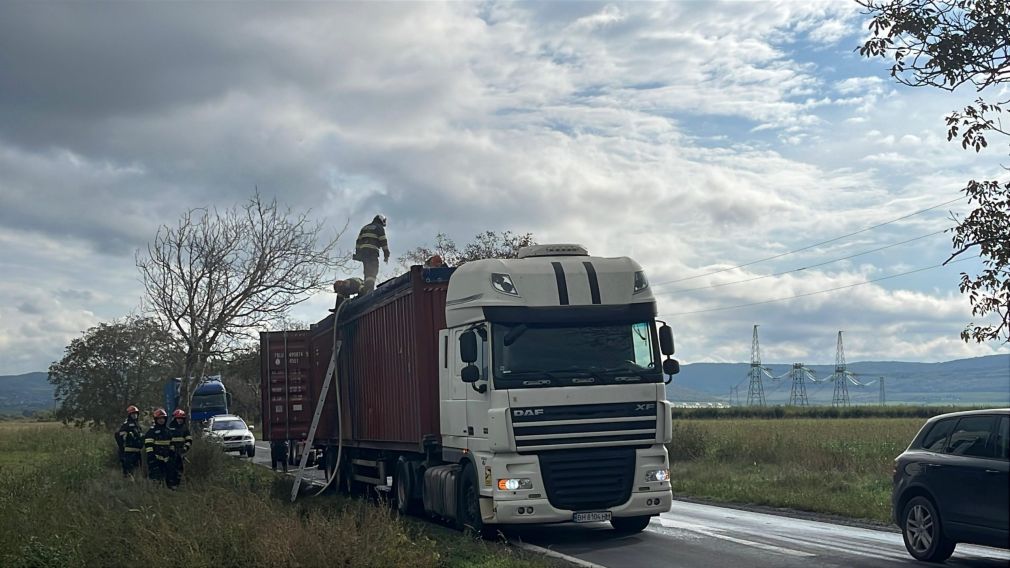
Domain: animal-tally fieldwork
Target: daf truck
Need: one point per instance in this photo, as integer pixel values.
(504, 391)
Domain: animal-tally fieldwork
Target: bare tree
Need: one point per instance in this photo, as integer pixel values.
(217, 276)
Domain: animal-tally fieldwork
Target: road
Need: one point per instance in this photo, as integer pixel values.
(704, 536)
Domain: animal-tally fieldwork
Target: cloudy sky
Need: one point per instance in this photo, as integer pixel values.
(692, 136)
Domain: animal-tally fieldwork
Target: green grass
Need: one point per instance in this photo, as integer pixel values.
(71, 507)
(841, 467)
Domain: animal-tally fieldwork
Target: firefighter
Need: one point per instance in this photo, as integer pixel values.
(130, 441)
(371, 239)
(182, 440)
(158, 446)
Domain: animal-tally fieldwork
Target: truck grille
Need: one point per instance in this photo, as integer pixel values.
(584, 426)
(588, 479)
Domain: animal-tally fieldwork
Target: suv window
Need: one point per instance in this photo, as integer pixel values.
(936, 439)
(1002, 434)
(973, 437)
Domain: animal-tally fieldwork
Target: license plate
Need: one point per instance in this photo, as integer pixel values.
(591, 516)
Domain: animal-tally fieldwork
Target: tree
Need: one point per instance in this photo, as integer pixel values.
(110, 367)
(948, 44)
(216, 276)
(241, 374)
(488, 244)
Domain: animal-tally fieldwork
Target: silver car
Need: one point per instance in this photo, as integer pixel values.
(232, 432)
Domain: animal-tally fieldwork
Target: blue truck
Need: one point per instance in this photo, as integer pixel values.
(209, 399)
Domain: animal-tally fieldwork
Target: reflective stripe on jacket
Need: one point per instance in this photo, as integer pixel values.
(371, 237)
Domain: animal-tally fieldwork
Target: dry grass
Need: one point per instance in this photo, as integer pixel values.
(74, 509)
(842, 467)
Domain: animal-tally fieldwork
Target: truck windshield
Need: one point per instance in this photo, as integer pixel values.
(208, 401)
(538, 355)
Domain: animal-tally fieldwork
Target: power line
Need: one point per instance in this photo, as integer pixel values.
(808, 247)
(723, 308)
(805, 267)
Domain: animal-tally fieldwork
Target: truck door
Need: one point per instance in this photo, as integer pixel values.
(478, 403)
(452, 390)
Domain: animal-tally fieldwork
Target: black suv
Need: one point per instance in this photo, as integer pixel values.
(950, 485)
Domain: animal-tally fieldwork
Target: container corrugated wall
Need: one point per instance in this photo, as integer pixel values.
(286, 372)
(389, 367)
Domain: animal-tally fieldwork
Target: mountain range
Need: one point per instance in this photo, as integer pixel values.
(980, 380)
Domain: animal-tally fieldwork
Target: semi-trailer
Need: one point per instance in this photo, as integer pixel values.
(504, 391)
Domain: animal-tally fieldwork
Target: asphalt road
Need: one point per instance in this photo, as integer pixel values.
(704, 536)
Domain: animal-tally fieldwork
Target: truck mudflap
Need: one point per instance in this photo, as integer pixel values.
(535, 511)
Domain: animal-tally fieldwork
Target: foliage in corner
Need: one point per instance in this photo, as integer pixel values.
(488, 244)
(946, 44)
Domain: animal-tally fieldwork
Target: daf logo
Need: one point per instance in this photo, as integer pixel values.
(646, 406)
(528, 412)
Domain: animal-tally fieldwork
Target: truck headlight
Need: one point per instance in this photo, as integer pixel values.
(515, 484)
(658, 475)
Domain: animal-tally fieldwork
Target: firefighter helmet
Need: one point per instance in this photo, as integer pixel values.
(380, 219)
(132, 410)
(179, 413)
(160, 413)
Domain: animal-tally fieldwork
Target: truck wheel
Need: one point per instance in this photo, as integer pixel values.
(406, 504)
(250, 450)
(468, 517)
(630, 525)
(923, 532)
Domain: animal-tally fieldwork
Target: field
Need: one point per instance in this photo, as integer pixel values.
(63, 502)
(840, 467)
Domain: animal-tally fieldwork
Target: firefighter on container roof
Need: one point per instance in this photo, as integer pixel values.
(158, 446)
(130, 441)
(371, 239)
(181, 442)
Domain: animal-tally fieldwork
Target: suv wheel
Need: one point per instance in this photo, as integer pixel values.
(923, 532)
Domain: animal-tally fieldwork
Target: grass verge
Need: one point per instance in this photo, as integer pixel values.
(841, 467)
(71, 507)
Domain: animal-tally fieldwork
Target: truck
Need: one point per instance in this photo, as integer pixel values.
(504, 391)
(210, 398)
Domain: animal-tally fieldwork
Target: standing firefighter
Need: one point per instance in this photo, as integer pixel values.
(181, 442)
(371, 239)
(130, 441)
(158, 446)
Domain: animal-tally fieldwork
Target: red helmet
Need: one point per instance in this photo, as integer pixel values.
(132, 410)
(179, 413)
(160, 413)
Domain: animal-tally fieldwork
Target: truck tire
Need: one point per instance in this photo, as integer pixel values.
(630, 525)
(922, 531)
(468, 517)
(404, 480)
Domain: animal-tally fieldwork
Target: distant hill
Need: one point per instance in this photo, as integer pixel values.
(976, 380)
(25, 393)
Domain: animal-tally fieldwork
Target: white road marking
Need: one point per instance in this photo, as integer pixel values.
(555, 554)
(670, 523)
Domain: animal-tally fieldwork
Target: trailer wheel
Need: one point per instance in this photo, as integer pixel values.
(404, 480)
(468, 517)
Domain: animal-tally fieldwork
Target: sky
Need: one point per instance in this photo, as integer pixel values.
(692, 136)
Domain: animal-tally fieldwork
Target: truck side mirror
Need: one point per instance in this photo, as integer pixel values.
(671, 367)
(227, 397)
(468, 347)
(666, 340)
(470, 374)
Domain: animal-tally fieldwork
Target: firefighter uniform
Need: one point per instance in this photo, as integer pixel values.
(371, 239)
(181, 441)
(131, 443)
(158, 448)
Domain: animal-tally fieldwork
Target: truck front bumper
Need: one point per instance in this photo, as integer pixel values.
(537, 511)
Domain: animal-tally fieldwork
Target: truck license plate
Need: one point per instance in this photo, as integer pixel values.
(591, 516)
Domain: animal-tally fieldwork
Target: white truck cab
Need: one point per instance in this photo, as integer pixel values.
(551, 379)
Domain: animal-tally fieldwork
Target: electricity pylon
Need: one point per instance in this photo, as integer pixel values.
(755, 387)
(841, 376)
(883, 394)
(798, 393)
